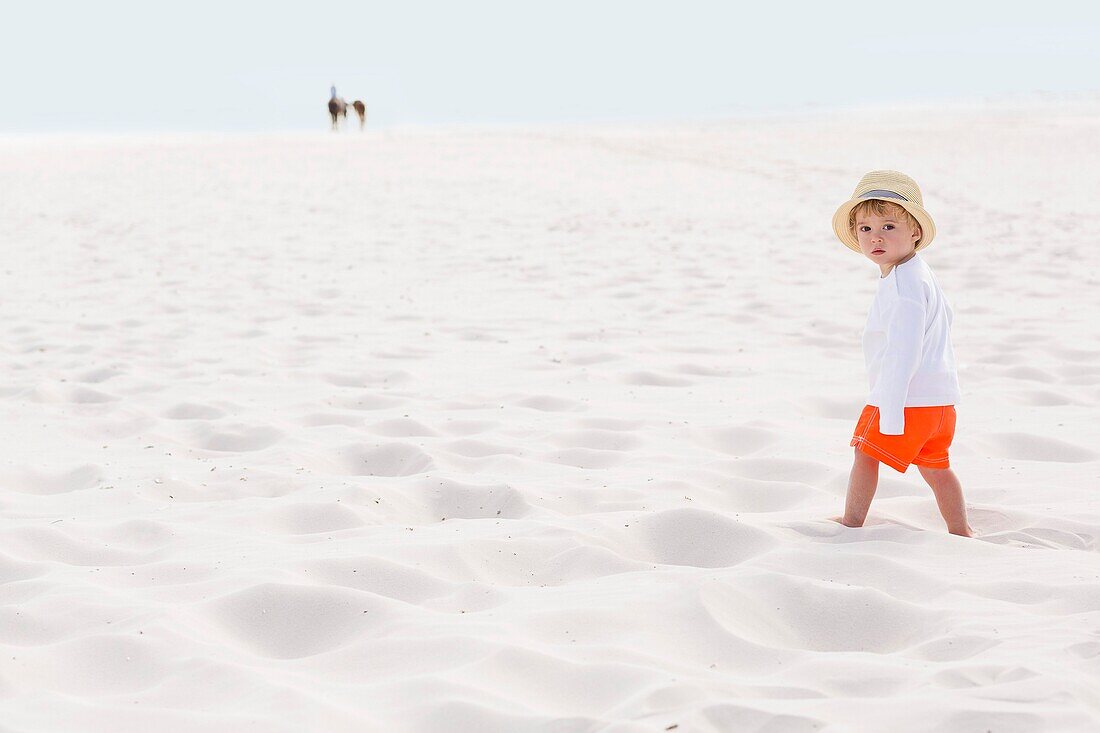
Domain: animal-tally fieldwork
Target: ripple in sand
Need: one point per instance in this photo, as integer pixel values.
(284, 621)
(1029, 447)
(234, 438)
(59, 394)
(753, 495)
(388, 459)
(1038, 398)
(550, 403)
(324, 419)
(1029, 373)
(653, 379)
(597, 358)
(95, 376)
(698, 538)
(12, 569)
(952, 648)
(361, 381)
(736, 440)
(613, 440)
(736, 717)
(365, 401)
(775, 609)
(1085, 649)
(700, 370)
(193, 411)
(99, 664)
(379, 576)
(45, 482)
(832, 409)
(467, 427)
(139, 534)
(401, 427)
(585, 458)
(51, 543)
(311, 518)
(609, 423)
(778, 469)
(479, 448)
(443, 497)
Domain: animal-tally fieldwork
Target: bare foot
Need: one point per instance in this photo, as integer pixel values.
(841, 521)
(968, 533)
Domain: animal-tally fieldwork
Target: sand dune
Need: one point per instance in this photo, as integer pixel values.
(539, 430)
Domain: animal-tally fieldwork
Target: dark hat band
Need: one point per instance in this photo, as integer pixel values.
(879, 193)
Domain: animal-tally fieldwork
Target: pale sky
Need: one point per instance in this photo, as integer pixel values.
(112, 66)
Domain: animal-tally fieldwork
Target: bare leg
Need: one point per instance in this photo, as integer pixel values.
(945, 485)
(862, 483)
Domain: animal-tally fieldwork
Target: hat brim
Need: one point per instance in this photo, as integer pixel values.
(848, 237)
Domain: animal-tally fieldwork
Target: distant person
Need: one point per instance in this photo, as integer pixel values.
(361, 110)
(336, 108)
(910, 415)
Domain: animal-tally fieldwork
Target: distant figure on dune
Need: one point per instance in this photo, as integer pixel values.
(361, 110)
(336, 107)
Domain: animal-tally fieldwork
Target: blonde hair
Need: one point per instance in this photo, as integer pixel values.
(878, 207)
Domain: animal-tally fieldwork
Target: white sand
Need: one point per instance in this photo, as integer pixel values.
(539, 430)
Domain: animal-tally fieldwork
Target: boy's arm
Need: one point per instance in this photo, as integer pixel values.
(904, 345)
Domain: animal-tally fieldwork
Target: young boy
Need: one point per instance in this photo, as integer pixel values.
(910, 413)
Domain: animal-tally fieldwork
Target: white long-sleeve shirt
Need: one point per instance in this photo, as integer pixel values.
(907, 345)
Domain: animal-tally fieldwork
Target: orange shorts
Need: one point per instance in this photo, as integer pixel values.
(928, 434)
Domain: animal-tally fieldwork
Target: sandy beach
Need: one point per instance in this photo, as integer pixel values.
(495, 430)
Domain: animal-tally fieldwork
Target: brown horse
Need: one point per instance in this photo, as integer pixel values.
(336, 108)
(361, 110)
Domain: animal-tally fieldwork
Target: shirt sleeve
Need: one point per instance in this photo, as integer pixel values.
(904, 346)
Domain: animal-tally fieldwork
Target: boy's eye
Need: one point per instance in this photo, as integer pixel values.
(888, 226)
(865, 228)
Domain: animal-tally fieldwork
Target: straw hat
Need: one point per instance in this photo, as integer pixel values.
(897, 188)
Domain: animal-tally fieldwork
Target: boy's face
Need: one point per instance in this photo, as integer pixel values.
(886, 240)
